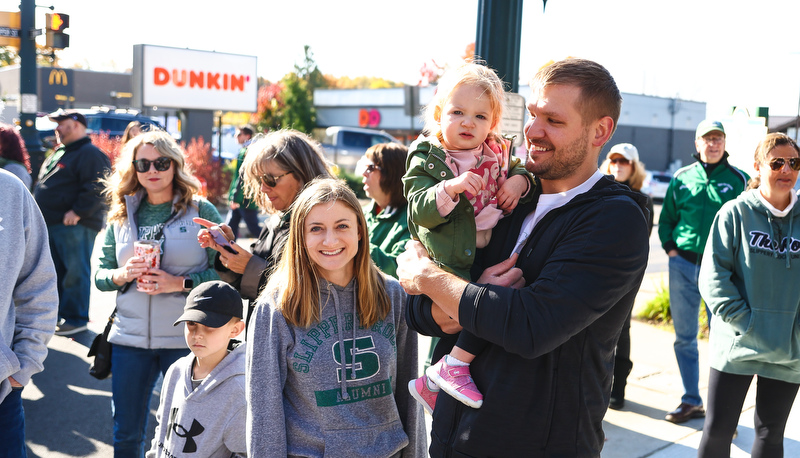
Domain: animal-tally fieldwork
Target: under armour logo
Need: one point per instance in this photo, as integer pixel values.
(1, 227)
(195, 430)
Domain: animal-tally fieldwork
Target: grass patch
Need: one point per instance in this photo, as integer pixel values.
(656, 312)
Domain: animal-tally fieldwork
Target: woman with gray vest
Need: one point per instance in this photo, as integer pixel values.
(152, 198)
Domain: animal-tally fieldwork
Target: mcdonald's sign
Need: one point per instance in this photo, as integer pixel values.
(58, 77)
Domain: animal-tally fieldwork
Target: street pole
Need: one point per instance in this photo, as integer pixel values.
(28, 86)
(498, 38)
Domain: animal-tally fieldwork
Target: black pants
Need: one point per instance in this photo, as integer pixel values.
(622, 362)
(726, 393)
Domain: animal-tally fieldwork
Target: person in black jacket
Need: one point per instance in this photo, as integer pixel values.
(552, 292)
(69, 194)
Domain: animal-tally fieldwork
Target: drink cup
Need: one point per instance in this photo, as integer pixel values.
(150, 251)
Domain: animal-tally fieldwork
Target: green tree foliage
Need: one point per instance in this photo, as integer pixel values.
(290, 103)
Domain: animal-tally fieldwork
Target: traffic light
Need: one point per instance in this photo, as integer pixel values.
(55, 37)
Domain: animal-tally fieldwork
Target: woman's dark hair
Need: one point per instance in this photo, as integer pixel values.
(391, 158)
(12, 146)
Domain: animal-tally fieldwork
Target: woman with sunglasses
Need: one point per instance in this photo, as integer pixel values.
(622, 162)
(277, 166)
(383, 166)
(749, 279)
(152, 196)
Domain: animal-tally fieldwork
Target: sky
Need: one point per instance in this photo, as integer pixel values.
(722, 52)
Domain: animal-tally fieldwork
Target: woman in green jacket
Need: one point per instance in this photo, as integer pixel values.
(383, 167)
(748, 278)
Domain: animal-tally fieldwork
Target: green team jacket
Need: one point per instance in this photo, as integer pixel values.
(236, 190)
(388, 234)
(693, 199)
(450, 240)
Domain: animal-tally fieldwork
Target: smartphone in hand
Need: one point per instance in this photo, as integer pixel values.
(219, 238)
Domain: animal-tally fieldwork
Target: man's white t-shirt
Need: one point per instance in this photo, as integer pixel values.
(548, 202)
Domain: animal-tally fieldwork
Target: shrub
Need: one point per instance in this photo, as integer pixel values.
(208, 169)
(657, 308)
(354, 182)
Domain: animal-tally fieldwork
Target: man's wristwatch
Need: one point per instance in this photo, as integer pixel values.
(188, 283)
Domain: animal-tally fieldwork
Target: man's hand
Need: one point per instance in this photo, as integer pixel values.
(411, 264)
(71, 218)
(504, 274)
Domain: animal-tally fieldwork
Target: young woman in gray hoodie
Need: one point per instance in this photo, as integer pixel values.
(328, 344)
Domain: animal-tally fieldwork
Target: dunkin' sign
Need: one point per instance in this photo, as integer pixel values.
(186, 78)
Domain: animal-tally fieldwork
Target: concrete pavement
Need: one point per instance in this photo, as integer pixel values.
(68, 413)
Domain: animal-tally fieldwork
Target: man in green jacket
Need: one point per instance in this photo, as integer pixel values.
(693, 198)
(241, 207)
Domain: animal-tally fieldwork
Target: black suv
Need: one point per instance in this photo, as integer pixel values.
(110, 121)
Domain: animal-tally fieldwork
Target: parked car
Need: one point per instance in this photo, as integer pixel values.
(344, 146)
(111, 121)
(655, 185)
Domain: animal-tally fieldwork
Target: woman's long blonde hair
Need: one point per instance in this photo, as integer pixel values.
(296, 278)
(124, 182)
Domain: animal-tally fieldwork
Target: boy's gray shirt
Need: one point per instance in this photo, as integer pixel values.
(28, 291)
(208, 421)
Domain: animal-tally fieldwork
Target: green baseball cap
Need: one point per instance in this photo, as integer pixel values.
(707, 125)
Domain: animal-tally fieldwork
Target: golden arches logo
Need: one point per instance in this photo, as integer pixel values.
(58, 77)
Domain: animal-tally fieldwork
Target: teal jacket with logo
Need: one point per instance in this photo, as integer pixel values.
(748, 278)
(693, 199)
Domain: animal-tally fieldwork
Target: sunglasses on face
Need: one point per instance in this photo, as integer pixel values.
(372, 167)
(161, 164)
(271, 181)
(778, 163)
(620, 160)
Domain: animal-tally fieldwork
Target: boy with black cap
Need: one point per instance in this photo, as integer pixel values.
(202, 410)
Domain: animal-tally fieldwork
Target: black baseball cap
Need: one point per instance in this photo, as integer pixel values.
(212, 304)
(61, 115)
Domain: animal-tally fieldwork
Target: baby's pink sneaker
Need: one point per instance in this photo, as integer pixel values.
(424, 395)
(457, 382)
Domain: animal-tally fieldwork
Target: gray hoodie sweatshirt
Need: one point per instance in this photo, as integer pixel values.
(28, 294)
(208, 421)
(305, 400)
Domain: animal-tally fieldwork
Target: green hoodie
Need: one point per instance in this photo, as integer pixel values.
(751, 287)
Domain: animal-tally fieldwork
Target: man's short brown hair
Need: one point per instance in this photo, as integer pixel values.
(600, 96)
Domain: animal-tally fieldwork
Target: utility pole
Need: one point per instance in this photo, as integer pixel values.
(28, 86)
(498, 38)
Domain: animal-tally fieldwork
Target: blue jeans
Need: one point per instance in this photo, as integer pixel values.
(12, 426)
(134, 375)
(250, 220)
(71, 247)
(684, 305)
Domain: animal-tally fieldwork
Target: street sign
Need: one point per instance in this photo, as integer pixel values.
(9, 28)
(9, 32)
(514, 117)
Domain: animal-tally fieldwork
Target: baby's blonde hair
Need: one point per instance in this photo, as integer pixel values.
(470, 73)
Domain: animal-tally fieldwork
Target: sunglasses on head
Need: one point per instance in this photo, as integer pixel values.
(271, 181)
(620, 160)
(161, 164)
(778, 163)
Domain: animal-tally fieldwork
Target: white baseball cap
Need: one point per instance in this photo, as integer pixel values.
(626, 150)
